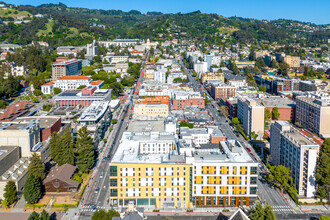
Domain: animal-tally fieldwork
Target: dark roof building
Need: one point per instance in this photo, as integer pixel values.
(59, 179)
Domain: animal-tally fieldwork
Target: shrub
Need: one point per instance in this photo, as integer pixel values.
(190, 210)
(77, 177)
(226, 210)
(155, 210)
(34, 205)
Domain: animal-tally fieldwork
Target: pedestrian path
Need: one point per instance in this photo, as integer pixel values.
(286, 209)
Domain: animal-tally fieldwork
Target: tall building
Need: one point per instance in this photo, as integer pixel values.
(91, 50)
(71, 67)
(251, 115)
(222, 91)
(225, 176)
(314, 115)
(291, 148)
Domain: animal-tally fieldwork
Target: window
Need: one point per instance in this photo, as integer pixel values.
(253, 180)
(253, 170)
(113, 170)
(113, 192)
(253, 190)
(113, 182)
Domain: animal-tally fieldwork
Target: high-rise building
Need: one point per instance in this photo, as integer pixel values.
(251, 115)
(225, 176)
(71, 67)
(291, 148)
(314, 115)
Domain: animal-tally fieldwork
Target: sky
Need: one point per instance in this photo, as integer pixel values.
(315, 11)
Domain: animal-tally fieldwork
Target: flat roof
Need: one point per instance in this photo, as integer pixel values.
(146, 126)
(272, 101)
(44, 121)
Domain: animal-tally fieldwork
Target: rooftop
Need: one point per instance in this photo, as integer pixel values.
(16, 171)
(74, 78)
(94, 112)
(44, 121)
(146, 126)
(271, 101)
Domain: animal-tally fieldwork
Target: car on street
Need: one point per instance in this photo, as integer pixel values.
(97, 189)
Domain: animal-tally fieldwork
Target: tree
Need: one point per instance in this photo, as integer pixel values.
(114, 121)
(273, 63)
(37, 92)
(66, 148)
(280, 177)
(44, 215)
(36, 166)
(267, 114)
(34, 216)
(275, 113)
(117, 88)
(224, 110)
(54, 143)
(262, 213)
(323, 171)
(102, 215)
(324, 217)
(235, 121)
(57, 91)
(186, 124)
(3, 104)
(207, 101)
(262, 88)
(81, 87)
(5, 203)
(61, 148)
(253, 135)
(32, 189)
(283, 68)
(84, 145)
(10, 192)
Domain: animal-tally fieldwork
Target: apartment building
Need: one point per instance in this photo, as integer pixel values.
(291, 148)
(314, 115)
(161, 110)
(225, 176)
(70, 67)
(222, 91)
(207, 177)
(149, 178)
(278, 85)
(182, 100)
(251, 115)
(243, 64)
(212, 76)
(292, 61)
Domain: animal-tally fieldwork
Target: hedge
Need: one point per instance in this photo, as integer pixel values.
(58, 205)
(82, 191)
(34, 205)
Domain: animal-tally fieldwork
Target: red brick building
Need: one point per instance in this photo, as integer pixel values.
(286, 113)
(47, 124)
(178, 104)
(222, 91)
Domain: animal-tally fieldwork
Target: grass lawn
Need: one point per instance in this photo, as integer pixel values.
(49, 25)
(8, 12)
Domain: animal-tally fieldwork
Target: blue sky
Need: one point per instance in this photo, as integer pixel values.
(316, 11)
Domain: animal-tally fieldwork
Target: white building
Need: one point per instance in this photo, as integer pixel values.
(292, 149)
(200, 67)
(72, 82)
(160, 75)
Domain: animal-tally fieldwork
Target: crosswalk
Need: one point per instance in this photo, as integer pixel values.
(286, 209)
(89, 208)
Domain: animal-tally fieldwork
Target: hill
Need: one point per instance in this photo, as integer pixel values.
(62, 25)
